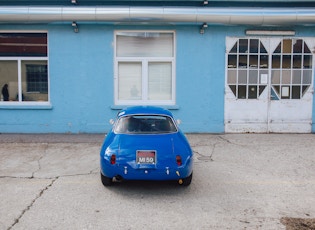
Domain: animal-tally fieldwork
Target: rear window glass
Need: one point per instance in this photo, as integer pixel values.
(139, 124)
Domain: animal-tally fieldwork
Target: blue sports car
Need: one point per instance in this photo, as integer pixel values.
(145, 143)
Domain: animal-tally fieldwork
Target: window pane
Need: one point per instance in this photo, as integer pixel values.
(253, 46)
(278, 49)
(306, 49)
(233, 89)
(160, 81)
(129, 78)
(261, 89)
(286, 61)
(144, 44)
(9, 80)
(253, 77)
(297, 46)
(297, 61)
(275, 77)
(232, 60)
(253, 61)
(274, 94)
(34, 81)
(263, 76)
(242, 63)
(297, 77)
(285, 92)
(287, 46)
(234, 48)
(277, 89)
(286, 77)
(232, 77)
(307, 62)
(263, 61)
(276, 61)
(241, 92)
(307, 77)
(242, 77)
(304, 89)
(262, 48)
(252, 91)
(23, 44)
(296, 91)
(243, 46)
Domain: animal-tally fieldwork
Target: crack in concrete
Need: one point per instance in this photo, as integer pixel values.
(17, 177)
(38, 161)
(79, 174)
(32, 203)
(53, 180)
(226, 140)
(230, 142)
(93, 171)
(204, 157)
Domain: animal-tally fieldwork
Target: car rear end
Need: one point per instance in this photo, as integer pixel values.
(146, 144)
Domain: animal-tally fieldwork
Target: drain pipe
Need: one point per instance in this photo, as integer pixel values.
(189, 15)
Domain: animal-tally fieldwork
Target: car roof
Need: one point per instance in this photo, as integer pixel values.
(153, 110)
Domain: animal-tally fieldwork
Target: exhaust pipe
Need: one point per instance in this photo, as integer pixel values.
(118, 178)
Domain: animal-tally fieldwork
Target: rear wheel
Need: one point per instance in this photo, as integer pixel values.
(187, 180)
(106, 181)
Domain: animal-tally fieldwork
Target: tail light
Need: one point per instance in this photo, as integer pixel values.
(178, 160)
(113, 159)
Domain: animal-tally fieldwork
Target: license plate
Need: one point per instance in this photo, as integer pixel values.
(146, 156)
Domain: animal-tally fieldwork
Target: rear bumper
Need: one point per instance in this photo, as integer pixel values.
(158, 173)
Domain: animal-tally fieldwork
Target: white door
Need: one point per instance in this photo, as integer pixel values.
(269, 85)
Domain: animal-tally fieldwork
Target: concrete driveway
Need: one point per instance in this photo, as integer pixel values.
(241, 181)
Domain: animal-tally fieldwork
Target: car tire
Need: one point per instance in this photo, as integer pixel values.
(187, 180)
(106, 181)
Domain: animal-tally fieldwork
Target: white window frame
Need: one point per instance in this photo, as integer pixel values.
(145, 64)
(19, 60)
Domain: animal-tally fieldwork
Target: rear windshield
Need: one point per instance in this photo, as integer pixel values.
(139, 124)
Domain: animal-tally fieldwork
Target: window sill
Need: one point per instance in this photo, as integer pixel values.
(169, 107)
(25, 106)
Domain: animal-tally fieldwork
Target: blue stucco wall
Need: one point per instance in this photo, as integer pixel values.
(81, 76)
(82, 85)
(200, 80)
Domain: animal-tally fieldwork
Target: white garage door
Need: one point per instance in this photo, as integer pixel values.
(269, 85)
